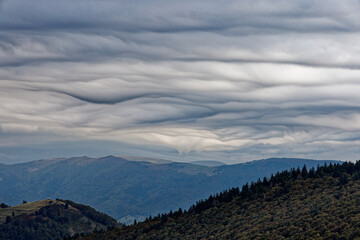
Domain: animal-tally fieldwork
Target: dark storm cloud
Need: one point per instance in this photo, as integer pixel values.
(232, 79)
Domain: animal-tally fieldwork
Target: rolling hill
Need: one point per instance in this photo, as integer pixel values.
(50, 219)
(296, 204)
(129, 189)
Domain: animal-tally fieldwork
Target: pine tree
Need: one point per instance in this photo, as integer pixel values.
(304, 172)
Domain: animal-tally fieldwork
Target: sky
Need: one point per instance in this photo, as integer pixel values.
(184, 80)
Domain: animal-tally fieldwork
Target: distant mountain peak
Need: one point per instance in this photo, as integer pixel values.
(208, 163)
(145, 159)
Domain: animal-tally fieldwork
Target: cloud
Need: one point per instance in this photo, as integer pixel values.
(235, 80)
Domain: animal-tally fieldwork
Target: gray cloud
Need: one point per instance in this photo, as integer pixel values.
(231, 80)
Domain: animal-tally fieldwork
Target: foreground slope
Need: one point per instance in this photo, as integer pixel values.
(50, 219)
(130, 188)
(322, 204)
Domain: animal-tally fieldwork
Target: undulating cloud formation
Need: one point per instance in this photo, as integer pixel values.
(225, 80)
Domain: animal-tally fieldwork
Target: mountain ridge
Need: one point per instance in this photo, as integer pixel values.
(129, 190)
(208, 163)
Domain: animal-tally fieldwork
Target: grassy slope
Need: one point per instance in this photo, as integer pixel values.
(313, 208)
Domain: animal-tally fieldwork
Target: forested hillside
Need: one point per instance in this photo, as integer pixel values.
(320, 203)
(50, 219)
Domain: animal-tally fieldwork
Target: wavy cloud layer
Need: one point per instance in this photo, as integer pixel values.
(231, 79)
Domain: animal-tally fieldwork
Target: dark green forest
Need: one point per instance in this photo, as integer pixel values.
(315, 203)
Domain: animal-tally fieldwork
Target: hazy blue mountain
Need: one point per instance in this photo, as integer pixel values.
(126, 189)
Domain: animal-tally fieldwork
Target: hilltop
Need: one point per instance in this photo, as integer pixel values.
(304, 204)
(50, 219)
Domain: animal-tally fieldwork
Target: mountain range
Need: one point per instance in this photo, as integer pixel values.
(129, 188)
